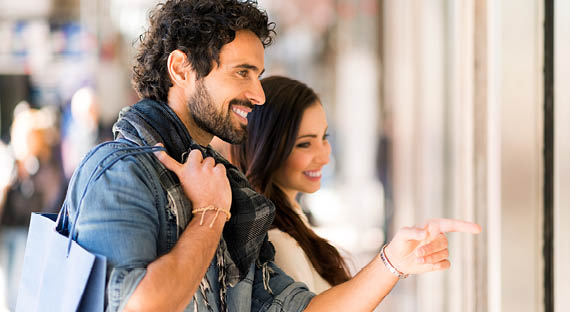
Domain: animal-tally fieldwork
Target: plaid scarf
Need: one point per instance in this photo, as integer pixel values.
(244, 238)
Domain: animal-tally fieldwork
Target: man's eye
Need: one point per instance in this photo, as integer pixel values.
(242, 73)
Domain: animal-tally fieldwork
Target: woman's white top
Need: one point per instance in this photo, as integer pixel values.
(291, 258)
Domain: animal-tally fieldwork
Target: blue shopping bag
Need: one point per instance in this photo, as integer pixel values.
(58, 274)
(54, 279)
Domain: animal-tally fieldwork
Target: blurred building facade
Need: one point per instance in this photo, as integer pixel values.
(477, 95)
(435, 109)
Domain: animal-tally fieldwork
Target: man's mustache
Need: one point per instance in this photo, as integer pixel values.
(245, 103)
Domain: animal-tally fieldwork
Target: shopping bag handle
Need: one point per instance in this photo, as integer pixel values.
(62, 221)
(95, 174)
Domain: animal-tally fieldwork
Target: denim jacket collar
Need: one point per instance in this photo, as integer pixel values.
(150, 120)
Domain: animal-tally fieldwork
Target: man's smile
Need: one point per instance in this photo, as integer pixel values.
(242, 112)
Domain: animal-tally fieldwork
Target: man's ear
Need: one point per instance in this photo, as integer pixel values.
(179, 69)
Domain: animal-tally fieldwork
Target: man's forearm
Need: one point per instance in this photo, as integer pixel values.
(171, 280)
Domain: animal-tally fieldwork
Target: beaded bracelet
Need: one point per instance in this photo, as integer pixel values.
(212, 207)
(389, 265)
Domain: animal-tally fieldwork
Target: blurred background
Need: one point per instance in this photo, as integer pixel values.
(436, 108)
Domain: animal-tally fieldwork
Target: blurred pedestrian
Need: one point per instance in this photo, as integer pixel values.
(37, 185)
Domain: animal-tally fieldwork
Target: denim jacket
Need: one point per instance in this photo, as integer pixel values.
(125, 217)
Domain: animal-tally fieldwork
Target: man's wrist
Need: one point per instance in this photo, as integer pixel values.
(211, 215)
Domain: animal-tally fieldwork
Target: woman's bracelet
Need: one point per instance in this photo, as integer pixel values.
(389, 265)
(212, 207)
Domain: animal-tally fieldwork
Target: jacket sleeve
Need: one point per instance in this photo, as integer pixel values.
(275, 291)
(119, 219)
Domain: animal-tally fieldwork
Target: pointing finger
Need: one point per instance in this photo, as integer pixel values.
(450, 225)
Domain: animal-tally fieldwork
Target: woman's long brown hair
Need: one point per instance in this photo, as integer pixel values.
(272, 132)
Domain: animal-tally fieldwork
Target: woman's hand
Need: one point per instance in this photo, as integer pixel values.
(421, 249)
(204, 182)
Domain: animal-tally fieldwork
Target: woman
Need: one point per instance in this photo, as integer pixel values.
(285, 151)
(284, 154)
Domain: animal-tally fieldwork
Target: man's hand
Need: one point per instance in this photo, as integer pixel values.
(423, 248)
(172, 279)
(204, 182)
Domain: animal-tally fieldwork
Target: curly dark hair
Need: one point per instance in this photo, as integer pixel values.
(199, 28)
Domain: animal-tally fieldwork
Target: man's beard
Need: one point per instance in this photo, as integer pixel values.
(205, 115)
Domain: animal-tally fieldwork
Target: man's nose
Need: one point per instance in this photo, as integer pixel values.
(255, 93)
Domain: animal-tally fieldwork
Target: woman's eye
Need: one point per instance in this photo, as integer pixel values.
(304, 145)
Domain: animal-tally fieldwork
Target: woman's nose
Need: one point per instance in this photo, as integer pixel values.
(324, 154)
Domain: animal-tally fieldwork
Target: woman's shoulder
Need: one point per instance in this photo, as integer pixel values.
(282, 239)
(287, 249)
(290, 257)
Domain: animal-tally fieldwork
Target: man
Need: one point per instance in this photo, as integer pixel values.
(198, 73)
